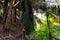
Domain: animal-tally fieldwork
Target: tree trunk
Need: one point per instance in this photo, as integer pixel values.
(28, 17)
(9, 17)
(5, 11)
(50, 36)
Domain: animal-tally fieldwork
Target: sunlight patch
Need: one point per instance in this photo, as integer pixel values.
(56, 24)
(37, 25)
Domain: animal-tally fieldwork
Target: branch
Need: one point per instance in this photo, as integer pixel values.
(38, 20)
(29, 37)
(56, 16)
(16, 4)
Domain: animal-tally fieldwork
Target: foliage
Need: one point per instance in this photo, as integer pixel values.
(43, 32)
(1, 38)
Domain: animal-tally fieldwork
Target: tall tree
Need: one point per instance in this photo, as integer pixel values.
(8, 18)
(28, 17)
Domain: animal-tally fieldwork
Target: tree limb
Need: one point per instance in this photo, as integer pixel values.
(16, 4)
(56, 16)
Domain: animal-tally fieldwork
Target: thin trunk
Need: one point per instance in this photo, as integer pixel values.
(5, 11)
(50, 36)
(15, 14)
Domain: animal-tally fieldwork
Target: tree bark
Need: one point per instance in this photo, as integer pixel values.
(9, 17)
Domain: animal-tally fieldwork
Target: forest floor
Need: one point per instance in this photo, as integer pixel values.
(55, 32)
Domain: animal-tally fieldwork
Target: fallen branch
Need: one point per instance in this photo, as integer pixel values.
(29, 37)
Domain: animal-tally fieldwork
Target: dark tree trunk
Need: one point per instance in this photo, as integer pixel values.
(50, 36)
(15, 14)
(5, 11)
(23, 5)
(28, 17)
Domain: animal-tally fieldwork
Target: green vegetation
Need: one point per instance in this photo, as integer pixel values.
(42, 33)
(43, 29)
